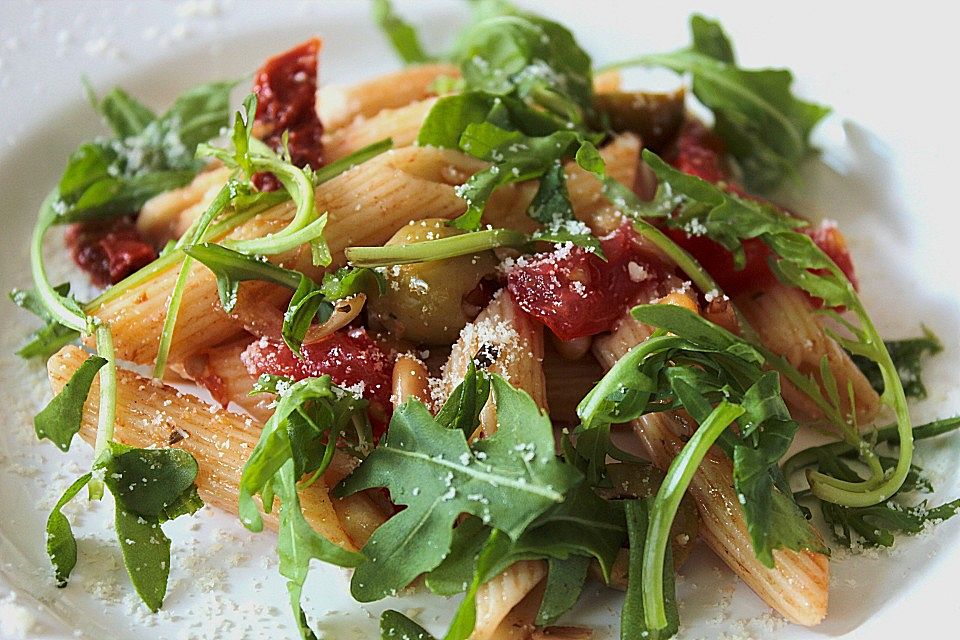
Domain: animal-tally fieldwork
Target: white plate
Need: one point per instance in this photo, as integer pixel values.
(886, 175)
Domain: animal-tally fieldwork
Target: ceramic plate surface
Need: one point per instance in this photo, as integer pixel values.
(887, 174)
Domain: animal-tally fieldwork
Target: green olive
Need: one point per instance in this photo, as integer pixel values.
(655, 117)
(424, 302)
(630, 481)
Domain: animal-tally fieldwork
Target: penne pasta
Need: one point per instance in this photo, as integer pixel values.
(152, 414)
(366, 205)
(797, 586)
(787, 324)
(505, 341)
(402, 125)
(497, 618)
(339, 105)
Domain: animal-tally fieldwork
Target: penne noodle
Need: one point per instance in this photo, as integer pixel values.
(366, 205)
(339, 105)
(507, 342)
(153, 414)
(496, 599)
(402, 125)
(168, 215)
(797, 586)
(787, 324)
(220, 371)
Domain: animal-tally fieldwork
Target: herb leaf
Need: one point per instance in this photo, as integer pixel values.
(298, 438)
(52, 336)
(401, 34)
(116, 176)
(396, 626)
(60, 420)
(61, 544)
(565, 580)
(633, 617)
(507, 480)
(462, 409)
(150, 486)
(765, 127)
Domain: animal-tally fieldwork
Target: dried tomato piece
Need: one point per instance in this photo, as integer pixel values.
(108, 250)
(575, 293)
(286, 88)
(350, 357)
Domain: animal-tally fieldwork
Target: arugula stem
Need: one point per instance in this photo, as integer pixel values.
(107, 413)
(868, 493)
(194, 234)
(439, 249)
(70, 316)
(888, 434)
(666, 503)
(300, 188)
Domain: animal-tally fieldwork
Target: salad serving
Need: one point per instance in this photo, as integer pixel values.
(492, 325)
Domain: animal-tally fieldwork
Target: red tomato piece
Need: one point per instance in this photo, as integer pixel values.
(108, 250)
(575, 293)
(350, 357)
(286, 88)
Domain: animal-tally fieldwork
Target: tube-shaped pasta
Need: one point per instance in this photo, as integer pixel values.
(366, 205)
(510, 344)
(168, 215)
(797, 586)
(151, 414)
(339, 105)
(788, 325)
(497, 598)
(402, 125)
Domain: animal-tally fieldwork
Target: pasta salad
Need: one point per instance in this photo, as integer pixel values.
(492, 325)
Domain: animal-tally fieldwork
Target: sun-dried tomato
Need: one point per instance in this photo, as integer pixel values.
(108, 250)
(286, 88)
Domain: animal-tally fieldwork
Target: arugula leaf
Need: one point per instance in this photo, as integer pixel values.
(796, 261)
(396, 626)
(52, 336)
(565, 581)
(507, 480)
(906, 356)
(61, 544)
(123, 113)
(299, 438)
(150, 486)
(401, 34)
(876, 525)
(462, 409)
(149, 154)
(765, 127)
(60, 420)
(532, 58)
